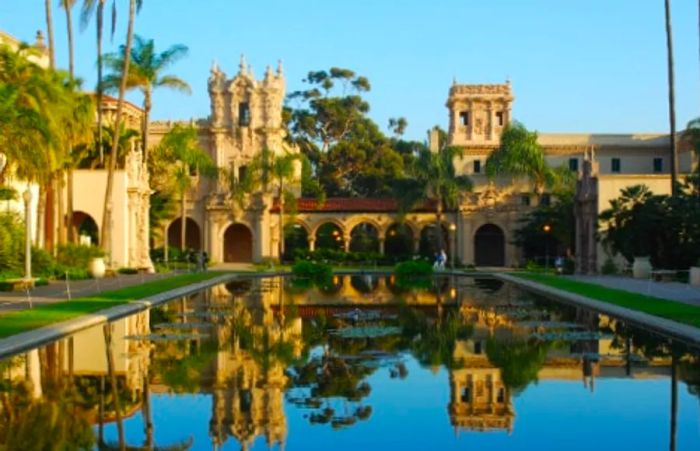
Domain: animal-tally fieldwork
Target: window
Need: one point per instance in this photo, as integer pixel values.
(501, 396)
(193, 170)
(477, 348)
(499, 118)
(545, 199)
(658, 164)
(466, 395)
(477, 166)
(464, 118)
(615, 165)
(525, 200)
(243, 114)
(242, 171)
(573, 164)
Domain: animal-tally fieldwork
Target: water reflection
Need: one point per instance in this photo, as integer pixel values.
(262, 350)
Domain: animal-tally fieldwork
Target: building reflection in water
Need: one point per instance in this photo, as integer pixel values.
(255, 345)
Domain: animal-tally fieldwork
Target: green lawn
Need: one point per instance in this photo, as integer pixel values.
(676, 311)
(44, 315)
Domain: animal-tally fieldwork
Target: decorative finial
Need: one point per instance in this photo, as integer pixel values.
(454, 81)
(279, 68)
(268, 73)
(242, 65)
(250, 71)
(39, 40)
(214, 66)
(508, 80)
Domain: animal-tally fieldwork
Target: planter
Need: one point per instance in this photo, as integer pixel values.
(694, 276)
(97, 268)
(641, 269)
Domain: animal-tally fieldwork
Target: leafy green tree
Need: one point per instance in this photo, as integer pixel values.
(146, 74)
(348, 153)
(180, 149)
(434, 178)
(534, 241)
(520, 155)
(398, 126)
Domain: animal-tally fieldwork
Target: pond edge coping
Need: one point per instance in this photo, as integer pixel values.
(26, 341)
(679, 331)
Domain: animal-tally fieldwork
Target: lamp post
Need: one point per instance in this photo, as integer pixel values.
(27, 196)
(546, 229)
(453, 229)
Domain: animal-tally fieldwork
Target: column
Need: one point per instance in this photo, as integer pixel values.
(381, 245)
(312, 244)
(416, 244)
(346, 243)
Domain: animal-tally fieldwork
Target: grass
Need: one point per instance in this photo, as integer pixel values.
(673, 310)
(45, 315)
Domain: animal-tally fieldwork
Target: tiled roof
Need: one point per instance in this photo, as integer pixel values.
(351, 204)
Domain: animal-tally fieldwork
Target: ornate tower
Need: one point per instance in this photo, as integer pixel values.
(246, 115)
(478, 113)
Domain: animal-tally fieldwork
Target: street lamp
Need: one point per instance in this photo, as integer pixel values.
(27, 196)
(546, 229)
(453, 229)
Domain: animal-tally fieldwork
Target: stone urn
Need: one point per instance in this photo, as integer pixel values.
(694, 276)
(641, 268)
(97, 268)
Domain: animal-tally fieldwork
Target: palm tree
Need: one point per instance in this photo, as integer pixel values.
(67, 6)
(107, 214)
(434, 178)
(146, 74)
(180, 149)
(671, 100)
(49, 32)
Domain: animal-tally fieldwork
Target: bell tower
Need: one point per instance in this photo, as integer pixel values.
(478, 113)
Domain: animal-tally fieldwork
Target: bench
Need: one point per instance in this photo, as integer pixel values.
(663, 275)
(18, 284)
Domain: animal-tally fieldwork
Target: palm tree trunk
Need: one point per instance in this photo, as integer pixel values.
(671, 100)
(40, 217)
(147, 104)
(107, 330)
(183, 222)
(280, 243)
(106, 237)
(61, 213)
(49, 32)
(100, 24)
(71, 69)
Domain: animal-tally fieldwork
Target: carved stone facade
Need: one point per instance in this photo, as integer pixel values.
(478, 113)
(586, 211)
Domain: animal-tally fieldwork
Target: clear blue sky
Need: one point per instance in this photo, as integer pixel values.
(576, 66)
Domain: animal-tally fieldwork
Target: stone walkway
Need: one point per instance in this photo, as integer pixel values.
(675, 291)
(57, 291)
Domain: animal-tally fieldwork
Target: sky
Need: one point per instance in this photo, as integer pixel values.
(596, 66)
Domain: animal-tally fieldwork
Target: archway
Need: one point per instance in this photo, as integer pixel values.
(364, 237)
(330, 236)
(296, 238)
(489, 246)
(398, 242)
(238, 244)
(428, 241)
(86, 228)
(193, 236)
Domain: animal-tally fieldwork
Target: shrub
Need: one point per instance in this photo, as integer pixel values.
(609, 267)
(318, 272)
(128, 271)
(413, 268)
(43, 263)
(569, 266)
(11, 242)
(77, 256)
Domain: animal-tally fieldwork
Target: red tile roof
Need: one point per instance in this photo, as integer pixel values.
(351, 204)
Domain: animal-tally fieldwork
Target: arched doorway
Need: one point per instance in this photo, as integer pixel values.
(428, 241)
(86, 228)
(398, 242)
(489, 246)
(364, 237)
(193, 236)
(238, 244)
(295, 238)
(330, 236)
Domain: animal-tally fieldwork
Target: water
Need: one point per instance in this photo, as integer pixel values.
(360, 364)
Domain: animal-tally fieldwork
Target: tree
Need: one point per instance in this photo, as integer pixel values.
(349, 154)
(434, 178)
(67, 6)
(398, 126)
(181, 152)
(671, 100)
(106, 238)
(534, 241)
(146, 74)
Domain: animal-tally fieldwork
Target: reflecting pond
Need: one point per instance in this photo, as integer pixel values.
(359, 363)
